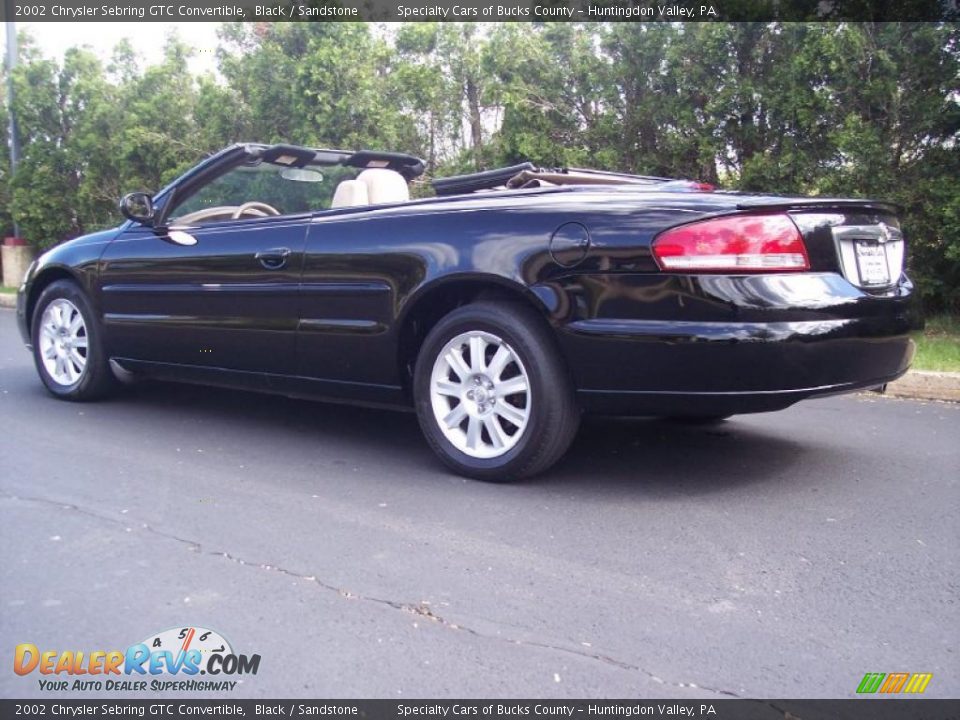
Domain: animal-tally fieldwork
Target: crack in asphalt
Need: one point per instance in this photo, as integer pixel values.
(419, 609)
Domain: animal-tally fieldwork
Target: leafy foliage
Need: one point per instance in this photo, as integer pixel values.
(865, 109)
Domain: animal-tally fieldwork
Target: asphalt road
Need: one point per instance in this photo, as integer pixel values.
(779, 555)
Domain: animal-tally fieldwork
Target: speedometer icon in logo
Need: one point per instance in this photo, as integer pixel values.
(183, 640)
(190, 650)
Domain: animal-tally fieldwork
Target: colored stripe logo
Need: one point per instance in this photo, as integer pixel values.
(894, 683)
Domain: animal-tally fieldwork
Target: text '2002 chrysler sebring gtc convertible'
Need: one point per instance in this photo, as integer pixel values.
(501, 309)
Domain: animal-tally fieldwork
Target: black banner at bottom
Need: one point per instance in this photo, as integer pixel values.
(732, 709)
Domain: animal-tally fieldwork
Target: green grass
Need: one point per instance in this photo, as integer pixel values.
(5, 289)
(938, 346)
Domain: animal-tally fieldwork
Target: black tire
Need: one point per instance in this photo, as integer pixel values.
(553, 417)
(96, 379)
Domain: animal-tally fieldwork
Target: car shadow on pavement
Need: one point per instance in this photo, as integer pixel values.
(270, 416)
(663, 458)
(646, 457)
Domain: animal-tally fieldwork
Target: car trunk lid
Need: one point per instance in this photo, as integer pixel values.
(861, 239)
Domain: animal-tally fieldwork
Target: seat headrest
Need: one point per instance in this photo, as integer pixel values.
(350, 193)
(384, 186)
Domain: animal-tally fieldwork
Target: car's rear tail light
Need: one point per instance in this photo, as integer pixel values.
(737, 243)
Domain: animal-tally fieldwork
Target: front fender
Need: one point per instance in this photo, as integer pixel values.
(77, 260)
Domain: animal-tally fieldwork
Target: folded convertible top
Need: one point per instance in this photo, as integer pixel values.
(527, 175)
(459, 184)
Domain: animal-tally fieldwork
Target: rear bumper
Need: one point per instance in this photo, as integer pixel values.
(693, 404)
(719, 345)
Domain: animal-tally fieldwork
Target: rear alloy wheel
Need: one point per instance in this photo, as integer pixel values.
(492, 396)
(480, 394)
(66, 344)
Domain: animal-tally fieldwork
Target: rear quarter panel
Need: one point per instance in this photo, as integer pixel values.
(365, 269)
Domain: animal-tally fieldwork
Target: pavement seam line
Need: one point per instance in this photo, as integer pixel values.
(419, 609)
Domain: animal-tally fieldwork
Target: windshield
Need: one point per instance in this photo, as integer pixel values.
(262, 189)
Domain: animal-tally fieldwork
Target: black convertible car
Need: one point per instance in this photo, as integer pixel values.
(500, 309)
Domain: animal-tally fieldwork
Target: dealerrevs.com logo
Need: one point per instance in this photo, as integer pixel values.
(169, 660)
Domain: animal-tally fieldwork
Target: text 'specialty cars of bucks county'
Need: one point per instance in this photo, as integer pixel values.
(501, 309)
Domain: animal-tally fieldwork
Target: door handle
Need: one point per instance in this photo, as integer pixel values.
(273, 259)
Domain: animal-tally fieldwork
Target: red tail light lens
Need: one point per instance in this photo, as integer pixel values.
(738, 243)
(685, 186)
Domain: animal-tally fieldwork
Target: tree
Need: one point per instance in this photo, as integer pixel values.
(425, 87)
(549, 84)
(44, 189)
(157, 137)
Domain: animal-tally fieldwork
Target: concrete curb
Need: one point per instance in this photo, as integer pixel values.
(916, 384)
(927, 385)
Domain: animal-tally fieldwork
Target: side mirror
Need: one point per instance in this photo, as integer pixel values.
(137, 206)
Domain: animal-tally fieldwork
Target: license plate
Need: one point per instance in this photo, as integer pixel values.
(872, 263)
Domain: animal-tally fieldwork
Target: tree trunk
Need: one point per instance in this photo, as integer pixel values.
(476, 127)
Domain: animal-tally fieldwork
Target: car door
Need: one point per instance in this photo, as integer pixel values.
(357, 270)
(221, 295)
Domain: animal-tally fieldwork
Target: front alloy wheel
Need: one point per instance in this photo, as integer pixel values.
(492, 395)
(63, 342)
(66, 344)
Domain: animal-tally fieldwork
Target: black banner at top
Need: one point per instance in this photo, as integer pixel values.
(480, 10)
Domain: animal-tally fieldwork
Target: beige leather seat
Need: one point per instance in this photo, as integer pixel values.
(350, 193)
(384, 186)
